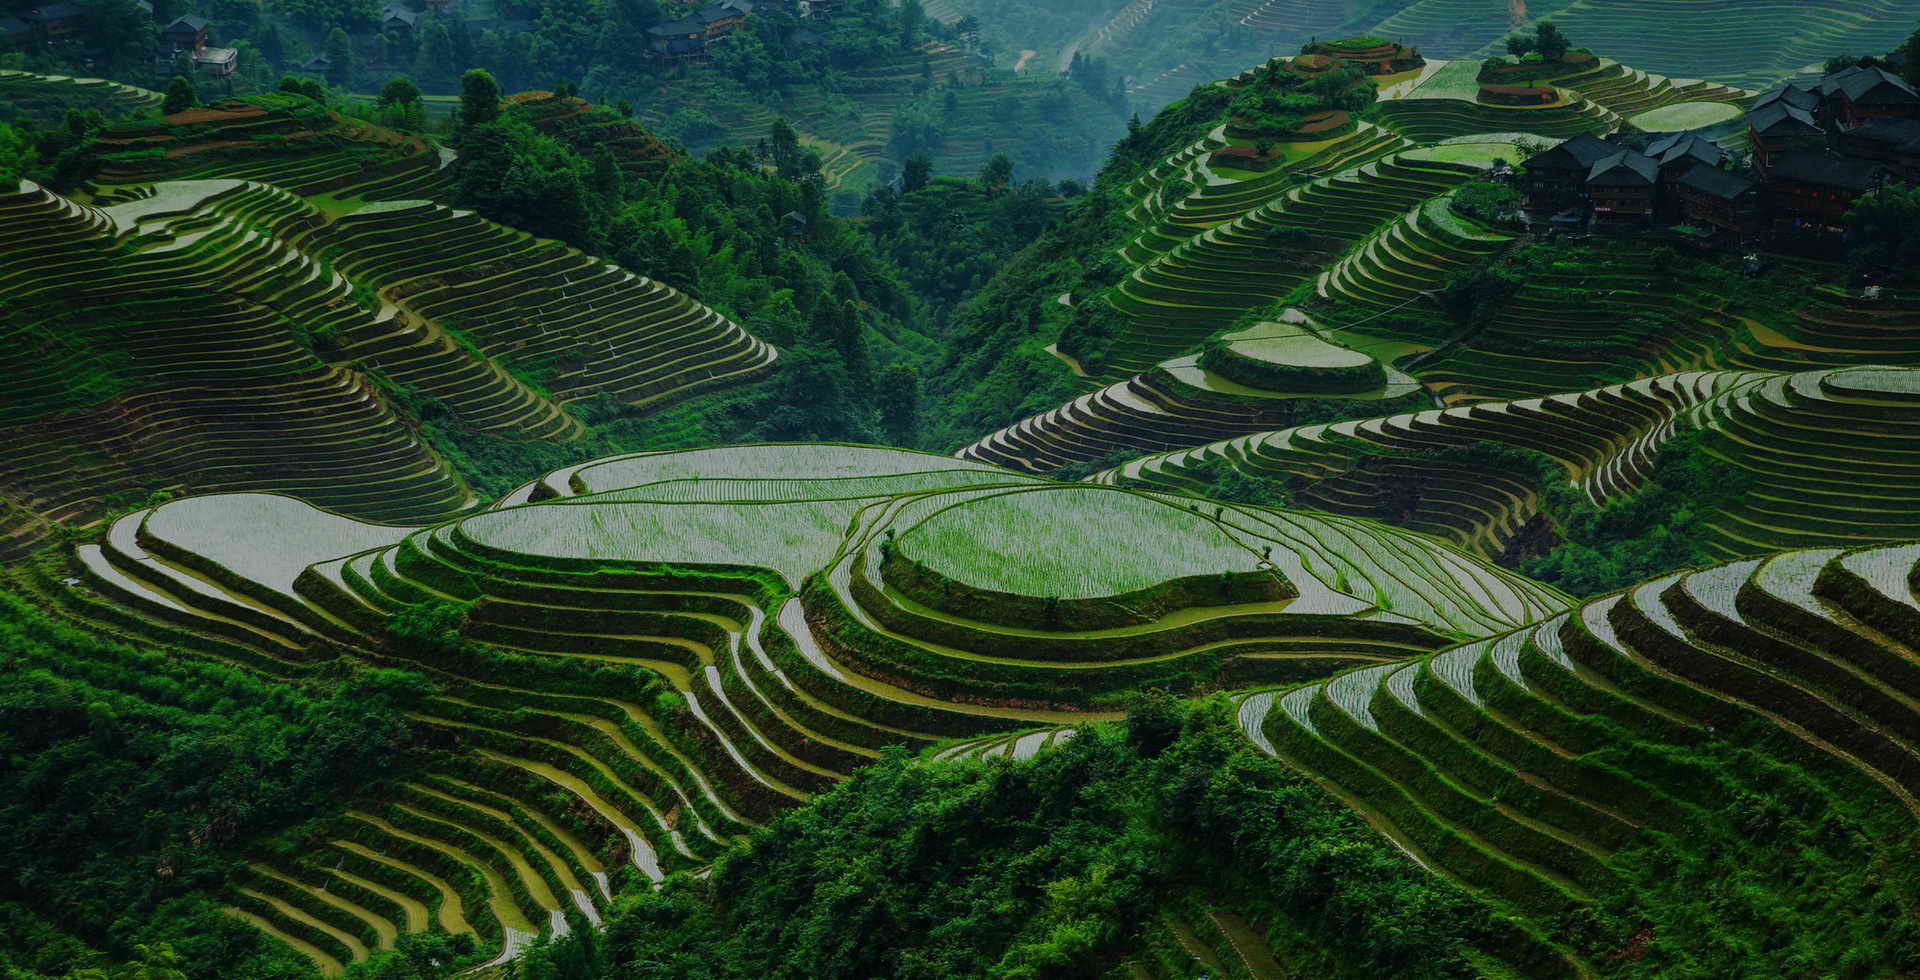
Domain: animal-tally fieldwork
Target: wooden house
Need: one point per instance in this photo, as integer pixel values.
(1732, 206)
(1623, 189)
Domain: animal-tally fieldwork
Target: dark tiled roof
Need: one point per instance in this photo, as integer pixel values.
(318, 62)
(1579, 153)
(1822, 169)
(1624, 169)
(1900, 134)
(1781, 118)
(1675, 148)
(1715, 182)
(401, 14)
(187, 25)
(1793, 95)
(1870, 86)
(744, 6)
(708, 15)
(675, 28)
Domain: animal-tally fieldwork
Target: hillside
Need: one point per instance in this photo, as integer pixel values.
(1411, 513)
(682, 680)
(326, 333)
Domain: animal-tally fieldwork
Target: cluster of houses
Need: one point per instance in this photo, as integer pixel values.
(188, 35)
(1818, 145)
(691, 38)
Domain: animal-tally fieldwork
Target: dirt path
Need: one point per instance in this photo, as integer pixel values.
(1025, 53)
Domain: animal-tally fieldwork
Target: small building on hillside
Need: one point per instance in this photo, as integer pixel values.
(1894, 142)
(1677, 154)
(1557, 178)
(1732, 206)
(318, 65)
(187, 33)
(1803, 95)
(1811, 190)
(1623, 188)
(56, 21)
(398, 22)
(1858, 94)
(1779, 127)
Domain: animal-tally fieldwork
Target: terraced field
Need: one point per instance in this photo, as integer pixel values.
(1186, 400)
(1229, 247)
(660, 651)
(286, 140)
(48, 97)
(1824, 455)
(1734, 43)
(271, 333)
(1524, 765)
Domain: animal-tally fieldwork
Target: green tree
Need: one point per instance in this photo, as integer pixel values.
(340, 52)
(997, 172)
(180, 96)
(1909, 54)
(1552, 45)
(1883, 228)
(399, 89)
(897, 395)
(784, 145)
(479, 97)
(434, 65)
(912, 18)
(918, 169)
(17, 154)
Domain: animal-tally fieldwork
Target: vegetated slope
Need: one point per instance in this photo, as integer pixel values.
(288, 140)
(1753, 45)
(133, 775)
(1708, 775)
(937, 98)
(640, 659)
(24, 93)
(1270, 375)
(1535, 767)
(227, 335)
(1815, 458)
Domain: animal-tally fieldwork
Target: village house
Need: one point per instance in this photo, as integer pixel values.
(398, 22)
(55, 22)
(1729, 205)
(1677, 154)
(1858, 94)
(1811, 190)
(689, 38)
(1557, 178)
(1894, 142)
(189, 34)
(1622, 189)
(1780, 127)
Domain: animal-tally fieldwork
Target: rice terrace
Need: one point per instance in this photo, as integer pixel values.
(1122, 489)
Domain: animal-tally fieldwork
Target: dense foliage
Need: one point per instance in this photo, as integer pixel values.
(951, 235)
(996, 367)
(1656, 529)
(1045, 869)
(132, 779)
